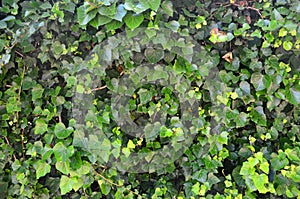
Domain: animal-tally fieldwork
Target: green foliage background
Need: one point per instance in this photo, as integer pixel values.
(256, 152)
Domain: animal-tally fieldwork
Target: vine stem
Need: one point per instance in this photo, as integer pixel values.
(245, 7)
(19, 99)
(115, 184)
(99, 88)
(251, 8)
(7, 142)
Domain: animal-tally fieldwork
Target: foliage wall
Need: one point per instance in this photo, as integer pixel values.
(247, 143)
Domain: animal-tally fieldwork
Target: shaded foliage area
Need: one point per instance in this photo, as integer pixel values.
(248, 144)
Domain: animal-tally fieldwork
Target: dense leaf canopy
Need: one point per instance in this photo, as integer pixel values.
(150, 99)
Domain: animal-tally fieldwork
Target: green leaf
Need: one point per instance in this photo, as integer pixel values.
(37, 92)
(100, 20)
(279, 161)
(85, 14)
(40, 126)
(61, 132)
(293, 95)
(287, 45)
(260, 181)
(260, 81)
(154, 55)
(121, 12)
(293, 154)
(137, 7)
(167, 6)
(264, 167)
(42, 168)
(63, 166)
(248, 167)
(13, 105)
(223, 138)
(58, 49)
(80, 89)
(200, 176)
(104, 186)
(104, 151)
(144, 95)
(61, 152)
(78, 183)
(154, 4)
(66, 184)
(196, 188)
(258, 116)
(130, 144)
(133, 21)
(71, 81)
(273, 25)
(173, 25)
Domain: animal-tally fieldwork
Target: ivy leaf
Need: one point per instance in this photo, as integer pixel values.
(154, 4)
(279, 161)
(260, 81)
(293, 95)
(130, 144)
(37, 92)
(138, 8)
(260, 181)
(167, 6)
(40, 126)
(63, 166)
(248, 167)
(61, 152)
(264, 167)
(145, 96)
(66, 184)
(154, 55)
(61, 132)
(105, 187)
(287, 45)
(42, 169)
(100, 20)
(58, 49)
(258, 116)
(196, 188)
(104, 152)
(121, 12)
(200, 176)
(133, 21)
(84, 16)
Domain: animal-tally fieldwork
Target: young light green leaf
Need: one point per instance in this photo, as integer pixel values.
(287, 45)
(104, 186)
(42, 168)
(66, 184)
(40, 126)
(130, 144)
(63, 166)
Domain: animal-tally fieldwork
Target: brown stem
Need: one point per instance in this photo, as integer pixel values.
(249, 8)
(23, 145)
(7, 142)
(99, 88)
